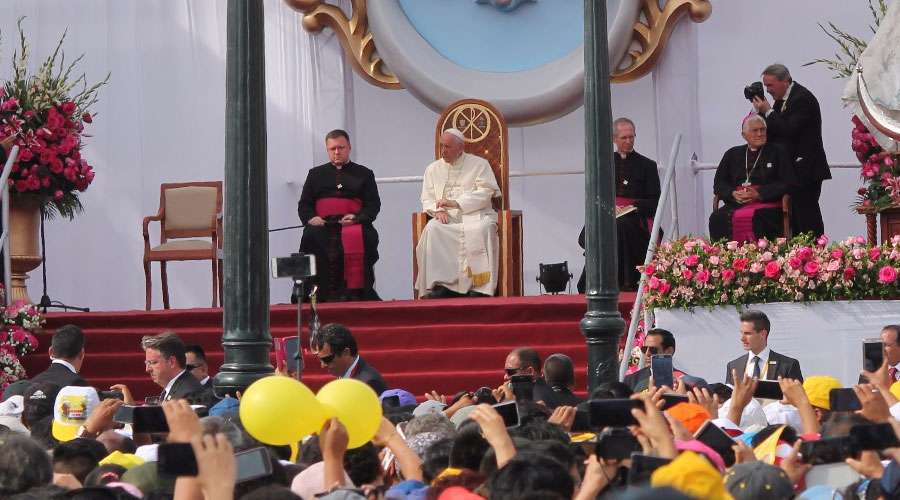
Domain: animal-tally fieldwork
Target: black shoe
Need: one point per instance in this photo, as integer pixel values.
(473, 293)
(441, 292)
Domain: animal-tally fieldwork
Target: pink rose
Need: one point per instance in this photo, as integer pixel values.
(887, 275)
(727, 274)
(874, 253)
(739, 264)
(714, 260)
(772, 269)
(756, 268)
(691, 260)
(822, 240)
(18, 335)
(687, 274)
(849, 273)
(653, 283)
(664, 287)
(833, 265)
(67, 108)
(732, 245)
(703, 276)
(837, 253)
(795, 263)
(804, 253)
(86, 118)
(650, 269)
(889, 161)
(58, 195)
(762, 243)
(859, 240)
(811, 268)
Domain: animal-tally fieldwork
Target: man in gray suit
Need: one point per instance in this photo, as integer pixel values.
(760, 362)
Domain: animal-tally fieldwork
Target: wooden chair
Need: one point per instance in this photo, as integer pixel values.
(186, 210)
(785, 213)
(486, 136)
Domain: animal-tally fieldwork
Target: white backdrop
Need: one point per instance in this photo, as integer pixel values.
(161, 120)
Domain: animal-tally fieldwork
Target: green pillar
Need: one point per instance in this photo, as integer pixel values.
(246, 338)
(602, 324)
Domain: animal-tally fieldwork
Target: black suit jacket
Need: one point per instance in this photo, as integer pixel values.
(185, 385)
(779, 366)
(60, 375)
(368, 374)
(799, 129)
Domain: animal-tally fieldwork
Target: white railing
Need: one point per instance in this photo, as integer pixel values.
(4, 237)
(667, 185)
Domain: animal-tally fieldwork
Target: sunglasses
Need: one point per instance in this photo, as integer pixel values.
(327, 359)
(650, 349)
(512, 371)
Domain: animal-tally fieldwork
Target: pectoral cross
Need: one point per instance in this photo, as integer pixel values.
(340, 186)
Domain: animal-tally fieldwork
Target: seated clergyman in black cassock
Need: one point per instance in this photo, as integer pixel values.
(637, 190)
(338, 204)
(751, 179)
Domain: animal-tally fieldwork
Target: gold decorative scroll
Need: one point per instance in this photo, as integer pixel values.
(652, 31)
(354, 34)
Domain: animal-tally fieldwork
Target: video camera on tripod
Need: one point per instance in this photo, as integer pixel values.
(299, 267)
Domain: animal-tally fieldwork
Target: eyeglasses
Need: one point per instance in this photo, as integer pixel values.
(189, 367)
(327, 359)
(649, 349)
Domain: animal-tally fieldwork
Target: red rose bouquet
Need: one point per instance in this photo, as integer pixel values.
(44, 113)
(880, 171)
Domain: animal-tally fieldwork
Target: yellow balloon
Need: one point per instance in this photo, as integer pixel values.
(356, 405)
(280, 410)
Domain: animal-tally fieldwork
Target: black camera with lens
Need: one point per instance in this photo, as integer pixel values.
(755, 89)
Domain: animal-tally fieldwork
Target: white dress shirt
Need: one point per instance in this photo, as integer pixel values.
(171, 383)
(64, 363)
(350, 370)
(763, 362)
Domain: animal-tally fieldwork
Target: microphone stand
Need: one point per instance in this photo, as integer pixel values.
(45, 302)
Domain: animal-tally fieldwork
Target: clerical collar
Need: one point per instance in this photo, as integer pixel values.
(623, 156)
(340, 167)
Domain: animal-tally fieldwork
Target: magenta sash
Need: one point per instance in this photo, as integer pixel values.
(742, 219)
(351, 237)
(622, 201)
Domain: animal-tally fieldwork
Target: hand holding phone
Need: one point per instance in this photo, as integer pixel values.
(253, 464)
(613, 412)
(711, 435)
(510, 413)
(176, 459)
(662, 371)
(642, 467)
(522, 387)
(844, 399)
(616, 443)
(149, 419)
(768, 389)
(874, 436)
(828, 450)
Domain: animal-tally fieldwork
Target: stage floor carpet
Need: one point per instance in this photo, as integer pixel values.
(446, 345)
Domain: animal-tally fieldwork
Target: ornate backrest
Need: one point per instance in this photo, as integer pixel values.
(189, 208)
(486, 136)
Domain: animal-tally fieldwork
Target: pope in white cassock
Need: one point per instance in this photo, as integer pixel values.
(457, 251)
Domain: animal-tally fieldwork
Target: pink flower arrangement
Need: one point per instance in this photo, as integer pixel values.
(17, 339)
(47, 121)
(802, 269)
(879, 170)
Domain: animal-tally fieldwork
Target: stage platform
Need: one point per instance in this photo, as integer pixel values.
(447, 345)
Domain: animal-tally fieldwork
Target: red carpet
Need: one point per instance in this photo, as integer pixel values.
(446, 345)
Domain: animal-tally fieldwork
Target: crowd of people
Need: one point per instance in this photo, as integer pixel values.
(530, 437)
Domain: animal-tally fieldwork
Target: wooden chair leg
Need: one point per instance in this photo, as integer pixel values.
(221, 283)
(215, 288)
(148, 285)
(165, 284)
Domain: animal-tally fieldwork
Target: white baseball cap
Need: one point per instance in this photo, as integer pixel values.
(70, 411)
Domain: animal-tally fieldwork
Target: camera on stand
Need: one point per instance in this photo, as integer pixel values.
(755, 89)
(299, 267)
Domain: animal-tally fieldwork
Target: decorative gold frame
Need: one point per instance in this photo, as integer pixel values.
(652, 32)
(354, 34)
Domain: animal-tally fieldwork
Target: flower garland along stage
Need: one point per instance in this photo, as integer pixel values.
(814, 292)
(20, 321)
(692, 272)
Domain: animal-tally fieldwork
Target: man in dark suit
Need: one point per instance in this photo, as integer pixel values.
(524, 361)
(195, 357)
(66, 355)
(337, 352)
(760, 362)
(795, 122)
(657, 341)
(559, 373)
(165, 363)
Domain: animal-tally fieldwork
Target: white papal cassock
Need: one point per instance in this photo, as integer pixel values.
(463, 254)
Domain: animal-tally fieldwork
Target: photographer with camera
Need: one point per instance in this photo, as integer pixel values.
(795, 122)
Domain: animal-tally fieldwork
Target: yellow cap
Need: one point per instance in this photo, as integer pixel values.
(127, 460)
(692, 475)
(818, 387)
(895, 389)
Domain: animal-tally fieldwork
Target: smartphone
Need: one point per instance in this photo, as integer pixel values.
(616, 443)
(711, 435)
(661, 370)
(874, 436)
(582, 422)
(844, 400)
(873, 354)
(252, 464)
(670, 400)
(768, 389)
(149, 419)
(719, 389)
(642, 467)
(390, 401)
(110, 395)
(522, 387)
(510, 413)
(176, 459)
(828, 450)
(613, 412)
(287, 351)
(125, 414)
